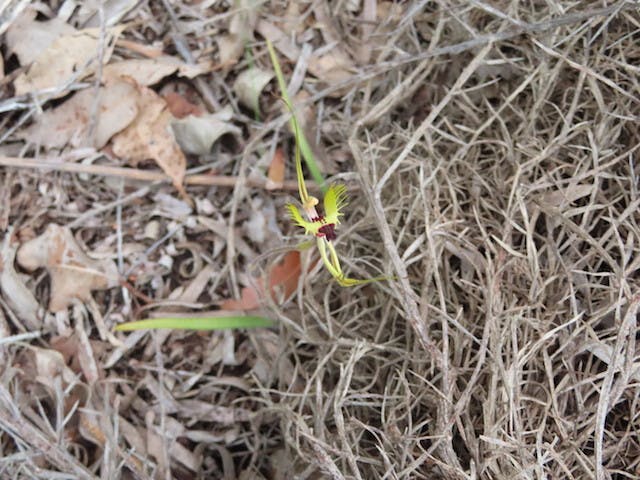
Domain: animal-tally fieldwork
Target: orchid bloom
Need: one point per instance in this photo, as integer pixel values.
(323, 226)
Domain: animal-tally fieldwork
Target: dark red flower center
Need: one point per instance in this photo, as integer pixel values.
(328, 231)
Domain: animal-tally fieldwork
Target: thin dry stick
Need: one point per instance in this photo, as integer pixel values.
(142, 175)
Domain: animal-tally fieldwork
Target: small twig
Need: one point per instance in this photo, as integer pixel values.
(56, 164)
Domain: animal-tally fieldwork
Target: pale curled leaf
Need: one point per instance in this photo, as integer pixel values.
(197, 134)
(249, 85)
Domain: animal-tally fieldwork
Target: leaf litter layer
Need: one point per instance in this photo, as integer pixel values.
(491, 154)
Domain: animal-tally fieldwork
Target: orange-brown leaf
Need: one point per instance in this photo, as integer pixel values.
(282, 280)
(276, 169)
(180, 107)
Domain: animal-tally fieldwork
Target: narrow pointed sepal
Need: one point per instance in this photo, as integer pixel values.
(332, 263)
(352, 282)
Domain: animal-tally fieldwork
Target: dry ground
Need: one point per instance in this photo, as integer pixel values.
(491, 153)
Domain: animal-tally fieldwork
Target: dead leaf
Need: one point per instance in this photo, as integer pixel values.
(28, 38)
(10, 12)
(196, 135)
(256, 225)
(68, 348)
(276, 170)
(114, 11)
(293, 20)
(86, 355)
(230, 48)
(55, 52)
(150, 136)
(144, 72)
(70, 122)
(44, 366)
(243, 21)
(283, 281)
(180, 107)
(192, 291)
(73, 274)
(149, 71)
(333, 67)
(249, 85)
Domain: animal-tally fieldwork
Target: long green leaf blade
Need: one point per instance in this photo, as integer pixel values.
(198, 323)
(305, 148)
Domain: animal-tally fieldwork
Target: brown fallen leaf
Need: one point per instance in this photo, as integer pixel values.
(180, 107)
(70, 122)
(150, 136)
(276, 170)
(43, 366)
(55, 52)
(282, 279)
(73, 273)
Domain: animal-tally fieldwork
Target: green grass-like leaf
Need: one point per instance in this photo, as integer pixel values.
(301, 140)
(198, 323)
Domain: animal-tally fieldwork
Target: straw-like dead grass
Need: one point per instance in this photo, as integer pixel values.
(496, 151)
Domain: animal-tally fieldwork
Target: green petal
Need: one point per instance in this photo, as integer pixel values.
(197, 323)
(334, 200)
(296, 217)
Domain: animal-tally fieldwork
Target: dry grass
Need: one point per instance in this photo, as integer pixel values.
(495, 146)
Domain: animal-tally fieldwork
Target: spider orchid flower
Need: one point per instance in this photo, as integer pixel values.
(323, 225)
